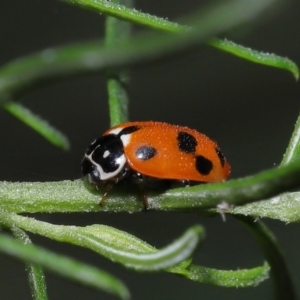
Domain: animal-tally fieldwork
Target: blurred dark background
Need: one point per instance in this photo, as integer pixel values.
(248, 108)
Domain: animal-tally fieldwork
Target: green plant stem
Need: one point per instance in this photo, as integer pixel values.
(68, 196)
(233, 192)
(116, 33)
(282, 281)
(117, 97)
(36, 276)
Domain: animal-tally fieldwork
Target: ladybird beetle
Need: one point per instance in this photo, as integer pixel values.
(153, 151)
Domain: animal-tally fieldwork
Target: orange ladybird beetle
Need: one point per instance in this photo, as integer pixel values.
(153, 151)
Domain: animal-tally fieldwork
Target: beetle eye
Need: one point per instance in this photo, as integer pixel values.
(89, 171)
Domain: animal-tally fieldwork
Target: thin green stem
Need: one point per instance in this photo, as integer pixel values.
(233, 192)
(71, 196)
(42, 127)
(280, 275)
(36, 276)
(116, 33)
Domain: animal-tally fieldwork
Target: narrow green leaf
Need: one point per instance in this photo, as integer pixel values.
(165, 258)
(238, 278)
(24, 74)
(36, 276)
(267, 59)
(229, 278)
(284, 207)
(113, 244)
(280, 275)
(135, 253)
(43, 128)
(64, 266)
(122, 12)
(292, 152)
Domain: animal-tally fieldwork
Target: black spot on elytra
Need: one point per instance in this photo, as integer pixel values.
(186, 142)
(221, 156)
(128, 130)
(203, 165)
(145, 152)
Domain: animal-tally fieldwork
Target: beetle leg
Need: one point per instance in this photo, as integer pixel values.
(108, 188)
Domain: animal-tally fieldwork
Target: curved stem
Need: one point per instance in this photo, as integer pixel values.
(282, 281)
